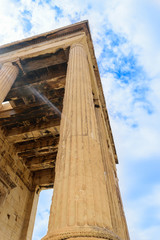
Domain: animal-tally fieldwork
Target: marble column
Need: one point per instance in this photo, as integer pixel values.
(80, 206)
(116, 209)
(8, 74)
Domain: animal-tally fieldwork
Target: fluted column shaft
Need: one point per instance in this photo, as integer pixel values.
(8, 74)
(80, 201)
(116, 208)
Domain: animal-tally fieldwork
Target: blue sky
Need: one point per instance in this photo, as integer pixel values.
(126, 38)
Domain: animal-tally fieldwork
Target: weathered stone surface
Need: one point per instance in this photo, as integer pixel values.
(80, 197)
(41, 126)
(8, 74)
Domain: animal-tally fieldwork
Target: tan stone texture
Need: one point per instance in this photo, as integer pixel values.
(8, 74)
(80, 195)
(55, 133)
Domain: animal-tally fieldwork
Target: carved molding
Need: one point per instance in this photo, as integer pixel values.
(6, 184)
(6, 180)
(82, 232)
(3, 194)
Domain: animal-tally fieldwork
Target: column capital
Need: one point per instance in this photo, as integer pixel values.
(77, 45)
(16, 63)
(8, 64)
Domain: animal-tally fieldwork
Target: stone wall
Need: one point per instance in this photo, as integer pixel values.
(16, 195)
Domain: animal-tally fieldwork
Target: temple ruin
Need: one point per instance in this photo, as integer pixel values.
(55, 133)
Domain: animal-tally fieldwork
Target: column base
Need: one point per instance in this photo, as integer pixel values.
(82, 233)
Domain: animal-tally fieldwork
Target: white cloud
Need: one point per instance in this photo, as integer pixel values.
(10, 30)
(139, 21)
(134, 116)
(137, 213)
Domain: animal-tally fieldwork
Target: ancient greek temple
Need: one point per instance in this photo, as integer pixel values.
(55, 133)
